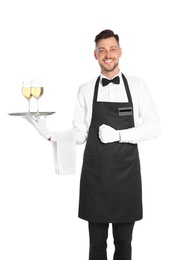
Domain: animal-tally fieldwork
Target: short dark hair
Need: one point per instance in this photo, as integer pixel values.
(106, 34)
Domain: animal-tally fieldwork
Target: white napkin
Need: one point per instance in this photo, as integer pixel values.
(64, 152)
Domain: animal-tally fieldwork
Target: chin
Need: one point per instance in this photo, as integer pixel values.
(110, 69)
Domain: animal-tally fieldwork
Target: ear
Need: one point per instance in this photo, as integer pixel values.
(120, 52)
(95, 54)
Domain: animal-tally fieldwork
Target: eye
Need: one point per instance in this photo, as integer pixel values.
(113, 49)
(101, 50)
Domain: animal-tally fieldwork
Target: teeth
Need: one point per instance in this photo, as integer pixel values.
(108, 61)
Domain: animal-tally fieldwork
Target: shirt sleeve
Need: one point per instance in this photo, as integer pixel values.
(149, 126)
(79, 124)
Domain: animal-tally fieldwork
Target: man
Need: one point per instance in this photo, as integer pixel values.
(113, 113)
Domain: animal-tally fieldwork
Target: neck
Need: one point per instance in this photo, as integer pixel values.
(111, 74)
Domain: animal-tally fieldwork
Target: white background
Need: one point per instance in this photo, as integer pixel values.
(54, 40)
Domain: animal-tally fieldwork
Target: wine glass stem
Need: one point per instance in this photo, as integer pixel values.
(29, 106)
(37, 105)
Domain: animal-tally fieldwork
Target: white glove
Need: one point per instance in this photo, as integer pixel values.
(108, 134)
(39, 124)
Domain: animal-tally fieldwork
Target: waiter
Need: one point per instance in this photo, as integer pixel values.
(113, 113)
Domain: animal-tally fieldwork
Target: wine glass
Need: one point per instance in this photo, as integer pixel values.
(26, 91)
(37, 90)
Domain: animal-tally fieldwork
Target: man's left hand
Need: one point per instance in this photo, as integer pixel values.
(107, 134)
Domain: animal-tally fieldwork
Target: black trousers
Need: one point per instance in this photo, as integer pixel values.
(122, 234)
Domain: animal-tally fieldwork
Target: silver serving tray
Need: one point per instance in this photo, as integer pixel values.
(31, 114)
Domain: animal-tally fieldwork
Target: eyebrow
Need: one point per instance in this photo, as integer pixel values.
(105, 47)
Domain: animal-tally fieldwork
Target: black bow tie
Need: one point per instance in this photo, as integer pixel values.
(115, 80)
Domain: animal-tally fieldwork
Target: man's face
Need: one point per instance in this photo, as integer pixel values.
(108, 53)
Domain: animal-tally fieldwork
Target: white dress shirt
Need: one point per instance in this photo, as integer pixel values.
(146, 118)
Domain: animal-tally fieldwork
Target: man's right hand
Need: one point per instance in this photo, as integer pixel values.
(40, 125)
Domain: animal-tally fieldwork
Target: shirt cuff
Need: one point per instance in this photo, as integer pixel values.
(125, 136)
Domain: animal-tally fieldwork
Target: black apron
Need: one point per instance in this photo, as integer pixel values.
(110, 186)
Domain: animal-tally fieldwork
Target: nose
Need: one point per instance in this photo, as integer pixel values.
(107, 54)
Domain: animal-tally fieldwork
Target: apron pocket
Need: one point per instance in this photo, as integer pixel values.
(91, 171)
(125, 111)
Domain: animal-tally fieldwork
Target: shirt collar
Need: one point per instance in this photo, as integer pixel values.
(103, 76)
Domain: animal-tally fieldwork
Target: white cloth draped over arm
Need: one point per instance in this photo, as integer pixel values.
(64, 151)
(64, 142)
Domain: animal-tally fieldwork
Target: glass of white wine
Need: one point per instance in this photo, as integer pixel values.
(26, 91)
(37, 90)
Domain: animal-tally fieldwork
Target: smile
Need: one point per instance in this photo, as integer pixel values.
(108, 61)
